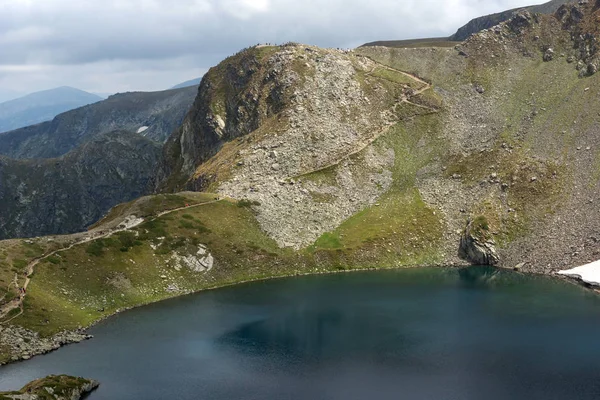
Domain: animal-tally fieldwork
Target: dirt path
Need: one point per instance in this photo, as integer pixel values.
(17, 302)
(360, 146)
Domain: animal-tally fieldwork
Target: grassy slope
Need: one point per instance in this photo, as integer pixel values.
(545, 109)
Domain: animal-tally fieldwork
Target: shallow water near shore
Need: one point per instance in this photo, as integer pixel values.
(415, 334)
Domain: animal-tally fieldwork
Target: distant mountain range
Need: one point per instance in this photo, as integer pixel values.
(62, 175)
(191, 82)
(42, 106)
(154, 115)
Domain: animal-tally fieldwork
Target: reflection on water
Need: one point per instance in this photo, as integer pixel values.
(473, 333)
(478, 276)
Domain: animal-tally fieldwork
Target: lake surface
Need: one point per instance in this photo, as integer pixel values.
(408, 334)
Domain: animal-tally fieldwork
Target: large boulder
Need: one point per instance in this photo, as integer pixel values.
(477, 246)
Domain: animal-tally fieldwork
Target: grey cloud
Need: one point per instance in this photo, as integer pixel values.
(97, 37)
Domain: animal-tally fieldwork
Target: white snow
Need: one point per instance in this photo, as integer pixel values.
(142, 129)
(589, 273)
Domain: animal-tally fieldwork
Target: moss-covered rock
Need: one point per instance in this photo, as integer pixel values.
(53, 387)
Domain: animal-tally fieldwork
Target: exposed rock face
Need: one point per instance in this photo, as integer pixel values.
(234, 98)
(23, 344)
(162, 112)
(57, 387)
(476, 244)
(66, 194)
(580, 20)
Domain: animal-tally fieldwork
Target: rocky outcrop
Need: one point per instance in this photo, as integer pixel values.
(161, 112)
(66, 194)
(55, 387)
(580, 20)
(477, 246)
(23, 344)
(234, 99)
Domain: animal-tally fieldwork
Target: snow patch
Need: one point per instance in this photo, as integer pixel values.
(142, 129)
(589, 273)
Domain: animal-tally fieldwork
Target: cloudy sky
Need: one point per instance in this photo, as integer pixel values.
(122, 45)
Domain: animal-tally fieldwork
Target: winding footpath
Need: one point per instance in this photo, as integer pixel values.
(17, 302)
(361, 145)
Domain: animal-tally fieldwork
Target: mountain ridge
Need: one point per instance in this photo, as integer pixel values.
(160, 111)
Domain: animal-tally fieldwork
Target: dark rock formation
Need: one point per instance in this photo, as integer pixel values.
(66, 194)
(477, 245)
(233, 99)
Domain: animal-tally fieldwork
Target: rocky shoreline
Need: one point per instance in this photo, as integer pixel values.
(23, 343)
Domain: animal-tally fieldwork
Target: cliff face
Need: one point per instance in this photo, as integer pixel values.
(161, 112)
(66, 194)
(234, 99)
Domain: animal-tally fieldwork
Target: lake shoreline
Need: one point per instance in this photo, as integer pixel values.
(39, 346)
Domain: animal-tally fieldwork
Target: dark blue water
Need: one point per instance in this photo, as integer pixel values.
(416, 334)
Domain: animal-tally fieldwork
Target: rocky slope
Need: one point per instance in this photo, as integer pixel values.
(66, 194)
(155, 114)
(42, 106)
(286, 116)
(55, 387)
(488, 21)
(475, 25)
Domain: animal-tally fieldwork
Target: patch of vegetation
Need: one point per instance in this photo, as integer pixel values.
(247, 203)
(480, 227)
(62, 386)
(394, 76)
(54, 259)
